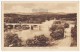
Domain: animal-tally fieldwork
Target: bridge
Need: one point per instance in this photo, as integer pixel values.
(31, 26)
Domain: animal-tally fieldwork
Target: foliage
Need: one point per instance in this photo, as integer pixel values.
(57, 34)
(16, 18)
(40, 40)
(12, 40)
(66, 25)
(74, 31)
(57, 31)
(74, 36)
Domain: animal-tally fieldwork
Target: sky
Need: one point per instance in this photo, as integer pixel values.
(29, 7)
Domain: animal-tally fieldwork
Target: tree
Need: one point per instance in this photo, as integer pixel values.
(39, 41)
(12, 40)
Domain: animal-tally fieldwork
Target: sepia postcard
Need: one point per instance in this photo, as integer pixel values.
(40, 25)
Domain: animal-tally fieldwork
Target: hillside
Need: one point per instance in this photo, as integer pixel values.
(37, 17)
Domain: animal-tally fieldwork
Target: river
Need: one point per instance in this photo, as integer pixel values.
(66, 41)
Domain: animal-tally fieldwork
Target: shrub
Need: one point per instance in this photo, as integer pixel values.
(57, 32)
(53, 28)
(66, 25)
(30, 42)
(12, 40)
(74, 36)
(57, 22)
(74, 31)
(40, 40)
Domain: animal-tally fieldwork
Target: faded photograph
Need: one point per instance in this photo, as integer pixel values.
(40, 24)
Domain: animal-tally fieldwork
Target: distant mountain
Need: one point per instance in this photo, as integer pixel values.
(39, 13)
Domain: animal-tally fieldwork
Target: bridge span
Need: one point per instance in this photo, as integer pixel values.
(24, 25)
